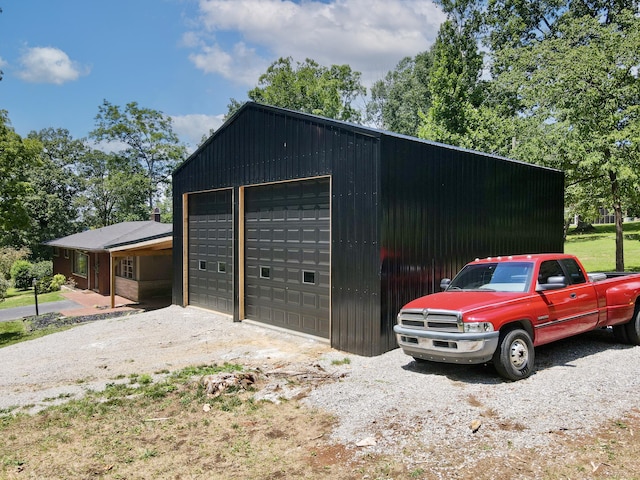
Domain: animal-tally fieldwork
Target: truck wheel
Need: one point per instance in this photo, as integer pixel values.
(633, 328)
(514, 357)
(620, 333)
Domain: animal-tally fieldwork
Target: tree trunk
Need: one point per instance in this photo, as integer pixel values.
(617, 209)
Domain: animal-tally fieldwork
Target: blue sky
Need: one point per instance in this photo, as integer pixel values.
(186, 58)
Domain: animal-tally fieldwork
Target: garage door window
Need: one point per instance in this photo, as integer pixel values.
(265, 272)
(308, 277)
(202, 265)
(222, 267)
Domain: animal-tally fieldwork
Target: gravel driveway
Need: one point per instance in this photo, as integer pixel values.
(579, 383)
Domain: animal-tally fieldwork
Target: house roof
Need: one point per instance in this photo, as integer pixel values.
(120, 234)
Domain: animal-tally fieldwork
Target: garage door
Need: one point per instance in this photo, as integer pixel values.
(211, 251)
(287, 255)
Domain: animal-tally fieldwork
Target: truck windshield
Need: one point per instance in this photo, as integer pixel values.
(498, 277)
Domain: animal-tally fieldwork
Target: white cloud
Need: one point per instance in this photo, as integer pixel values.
(49, 65)
(192, 127)
(241, 65)
(372, 36)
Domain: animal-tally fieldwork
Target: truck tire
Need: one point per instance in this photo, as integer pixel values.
(514, 357)
(620, 333)
(633, 328)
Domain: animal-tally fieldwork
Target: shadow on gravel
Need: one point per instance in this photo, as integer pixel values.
(560, 353)
(474, 373)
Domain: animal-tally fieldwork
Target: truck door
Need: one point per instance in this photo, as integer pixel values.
(570, 310)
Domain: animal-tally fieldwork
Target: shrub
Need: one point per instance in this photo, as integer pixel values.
(21, 274)
(4, 286)
(48, 284)
(42, 269)
(56, 282)
(8, 257)
(43, 273)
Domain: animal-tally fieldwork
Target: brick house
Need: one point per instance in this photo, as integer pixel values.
(130, 259)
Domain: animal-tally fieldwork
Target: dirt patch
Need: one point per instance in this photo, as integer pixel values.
(133, 431)
(101, 407)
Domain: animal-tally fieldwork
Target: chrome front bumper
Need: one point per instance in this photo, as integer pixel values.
(447, 347)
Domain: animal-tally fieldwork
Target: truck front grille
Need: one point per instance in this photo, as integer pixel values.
(442, 321)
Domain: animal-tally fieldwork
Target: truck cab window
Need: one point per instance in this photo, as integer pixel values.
(549, 268)
(574, 271)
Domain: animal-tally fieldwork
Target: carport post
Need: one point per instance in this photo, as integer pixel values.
(112, 280)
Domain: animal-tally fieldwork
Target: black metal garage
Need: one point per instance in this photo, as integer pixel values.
(328, 228)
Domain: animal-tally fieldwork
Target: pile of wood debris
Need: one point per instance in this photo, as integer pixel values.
(277, 384)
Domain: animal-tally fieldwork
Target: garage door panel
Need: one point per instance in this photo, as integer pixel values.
(211, 251)
(288, 235)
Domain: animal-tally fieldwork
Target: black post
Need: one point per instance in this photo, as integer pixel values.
(35, 293)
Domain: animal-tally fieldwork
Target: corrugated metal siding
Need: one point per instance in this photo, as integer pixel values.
(444, 207)
(355, 254)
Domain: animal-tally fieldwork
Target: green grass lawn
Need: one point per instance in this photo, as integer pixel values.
(16, 331)
(23, 298)
(597, 250)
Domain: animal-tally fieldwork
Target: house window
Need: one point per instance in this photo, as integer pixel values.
(56, 251)
(66, 253)
(127, 267)
(80, 262)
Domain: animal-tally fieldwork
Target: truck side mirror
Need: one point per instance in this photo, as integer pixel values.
(444, 283)
(553, 283)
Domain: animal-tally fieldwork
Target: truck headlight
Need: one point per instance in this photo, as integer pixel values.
(477, 327)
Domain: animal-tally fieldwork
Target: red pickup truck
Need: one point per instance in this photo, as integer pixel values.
(498, 309)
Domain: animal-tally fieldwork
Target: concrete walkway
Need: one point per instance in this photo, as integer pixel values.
(17, 313)
(78, 303)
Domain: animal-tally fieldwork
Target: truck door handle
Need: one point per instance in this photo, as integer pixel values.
(573, 295)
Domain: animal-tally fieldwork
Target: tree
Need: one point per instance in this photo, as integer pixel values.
(52, 200)
(397, 100)
(17, 157)
(458, 113)
(581, 77)
(148, 139)
(115, 190)
(309, 87)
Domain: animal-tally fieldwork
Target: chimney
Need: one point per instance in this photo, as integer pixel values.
(155, 216)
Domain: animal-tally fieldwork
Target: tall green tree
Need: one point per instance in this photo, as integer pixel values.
(460, 113)
(17, 157)
(581, 77)
(115, 190)
(52, 200)
(397, 100)
(147, 139)
(309, 87)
